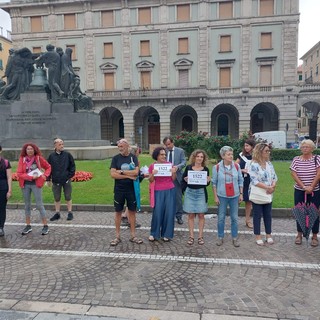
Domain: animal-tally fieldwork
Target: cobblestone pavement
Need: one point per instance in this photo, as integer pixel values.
(74, 264)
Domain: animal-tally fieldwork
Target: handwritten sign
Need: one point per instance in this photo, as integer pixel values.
(164, 169)
(197, 177)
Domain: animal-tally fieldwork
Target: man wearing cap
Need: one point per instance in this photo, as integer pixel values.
(124, 170)
(63, 169)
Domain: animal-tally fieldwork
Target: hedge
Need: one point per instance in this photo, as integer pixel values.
(190, 141)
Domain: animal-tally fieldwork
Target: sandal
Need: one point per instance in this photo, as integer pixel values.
(270, 240)
(166, 239)
(314, 242)
(249, 225)
(115, 242)
(136, 240)
(298, 240)
(190, 241)
(200, 241)
(259, 242)
(151, 239)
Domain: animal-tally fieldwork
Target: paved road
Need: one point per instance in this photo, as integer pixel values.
(73, 273)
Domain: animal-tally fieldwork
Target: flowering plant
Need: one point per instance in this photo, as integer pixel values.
(78, 177)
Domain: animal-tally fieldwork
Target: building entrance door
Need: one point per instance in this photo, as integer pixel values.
(154, 133)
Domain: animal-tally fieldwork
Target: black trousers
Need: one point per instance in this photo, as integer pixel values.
(3, 207)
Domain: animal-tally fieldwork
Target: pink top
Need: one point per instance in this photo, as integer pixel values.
(161, 183)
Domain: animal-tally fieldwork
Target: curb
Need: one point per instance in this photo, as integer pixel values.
(276, 212)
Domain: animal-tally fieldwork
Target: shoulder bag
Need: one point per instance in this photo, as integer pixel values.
(259, 196)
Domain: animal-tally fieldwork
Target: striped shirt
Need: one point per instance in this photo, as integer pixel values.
(306, 170)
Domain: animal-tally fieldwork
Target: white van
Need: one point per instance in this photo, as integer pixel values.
(276, 138)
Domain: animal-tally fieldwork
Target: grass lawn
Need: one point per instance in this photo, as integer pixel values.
(99, 190)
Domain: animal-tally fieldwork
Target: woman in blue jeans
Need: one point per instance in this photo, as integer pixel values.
(227, 184)
(262, 175)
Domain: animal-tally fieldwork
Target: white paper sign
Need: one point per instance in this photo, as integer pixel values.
(35, 172)
(197, 177)
(164, 169)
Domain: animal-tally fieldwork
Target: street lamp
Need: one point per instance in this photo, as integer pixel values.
(312, 125)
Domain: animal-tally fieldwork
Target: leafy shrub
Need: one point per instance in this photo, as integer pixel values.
(190, 141)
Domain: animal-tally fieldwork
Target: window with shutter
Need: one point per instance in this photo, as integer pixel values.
(266, 7)
(107, 19)
(109, 81)
(69, 21)
(266, 40)
(145, 79)
(265, 75)
(36, 24)
(144, 16)
(145, 48)
(183, 78)
(225, 43)
(183, 12)
(36, 49)
(108, 50)
(226, 10)
(225, 77)
(183, 45)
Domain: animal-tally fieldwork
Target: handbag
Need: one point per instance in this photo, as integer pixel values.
(259, 196)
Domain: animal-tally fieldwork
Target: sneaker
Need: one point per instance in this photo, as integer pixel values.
(1, 232)
(55, 217)
(219, 242)
(236, 243)
(26, 230)
(45, 230)
(70, 216)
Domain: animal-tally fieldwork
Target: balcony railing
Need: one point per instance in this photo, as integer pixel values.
(201, 92)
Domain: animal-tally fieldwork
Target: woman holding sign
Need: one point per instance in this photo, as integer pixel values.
(196, 177)
(162, 175)
(32, 172)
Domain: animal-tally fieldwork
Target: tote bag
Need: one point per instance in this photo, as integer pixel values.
(259, 196)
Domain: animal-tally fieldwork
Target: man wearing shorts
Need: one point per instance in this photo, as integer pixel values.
(63, 169)
(124, 170)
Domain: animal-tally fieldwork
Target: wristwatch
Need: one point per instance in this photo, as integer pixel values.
(121, 171)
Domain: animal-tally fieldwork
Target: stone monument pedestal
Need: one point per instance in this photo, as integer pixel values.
(35, 118)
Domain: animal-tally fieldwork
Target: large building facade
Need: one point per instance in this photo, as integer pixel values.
(156, 67)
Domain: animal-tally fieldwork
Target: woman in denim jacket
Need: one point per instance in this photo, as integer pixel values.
(227, 184)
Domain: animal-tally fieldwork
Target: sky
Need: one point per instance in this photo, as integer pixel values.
(308, 28)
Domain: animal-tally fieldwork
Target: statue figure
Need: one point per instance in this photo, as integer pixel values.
(17, 72)
(81, 100)
(8, 71)
(51, 59)
(67, 72)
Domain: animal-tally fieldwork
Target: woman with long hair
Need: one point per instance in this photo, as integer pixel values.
(33, 170)
(196, 195)
(244, 158)
(262, 175)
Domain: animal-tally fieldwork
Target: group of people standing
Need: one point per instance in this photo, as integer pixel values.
(233, 181)
(33, 172)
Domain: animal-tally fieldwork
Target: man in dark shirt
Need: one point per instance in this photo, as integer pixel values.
(124, 170)
(62, 170)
